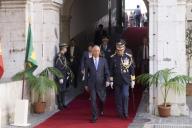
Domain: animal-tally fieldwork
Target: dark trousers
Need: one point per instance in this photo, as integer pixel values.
(145, 66)
(61, 99)
(138, 20)
(94, 107)
(122, 99)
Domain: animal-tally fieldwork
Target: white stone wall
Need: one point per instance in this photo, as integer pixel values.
(9, 93)
(167, 41)
(12, 34)
(14, 21)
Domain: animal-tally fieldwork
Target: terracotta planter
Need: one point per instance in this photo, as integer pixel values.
(189, 89)
(39, 107)
(164, 111)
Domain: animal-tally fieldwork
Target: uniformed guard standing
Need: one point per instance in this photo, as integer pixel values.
(122, 77)
(62, 65)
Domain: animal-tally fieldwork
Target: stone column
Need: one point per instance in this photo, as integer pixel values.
(153, 51)
(46, 28)
(167, 42)
(13, 39)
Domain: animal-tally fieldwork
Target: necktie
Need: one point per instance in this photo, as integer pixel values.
(96, 63)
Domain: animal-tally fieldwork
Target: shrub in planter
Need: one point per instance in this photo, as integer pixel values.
(166, 79)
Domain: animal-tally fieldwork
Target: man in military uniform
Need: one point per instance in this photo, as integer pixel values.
(62, 65)
(122, 76)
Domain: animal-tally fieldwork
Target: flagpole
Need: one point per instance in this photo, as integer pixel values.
(23, 86)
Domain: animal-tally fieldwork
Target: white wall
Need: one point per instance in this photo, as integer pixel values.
(12, 34)
(167, 42)
(9, 93)
(14, 20)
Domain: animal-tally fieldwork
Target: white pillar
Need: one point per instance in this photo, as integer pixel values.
(0, 118)
(153, 50)
(167, 43)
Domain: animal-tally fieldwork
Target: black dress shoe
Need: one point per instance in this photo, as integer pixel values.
(101, 113)
(65, 106)
(60, 107)
(121, 116)
(93, 120)
(126, 116)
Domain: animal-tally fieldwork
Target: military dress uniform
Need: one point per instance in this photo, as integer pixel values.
(122, 71)
(62, 65)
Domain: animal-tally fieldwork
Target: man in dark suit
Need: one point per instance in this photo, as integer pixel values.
(86, 55)
(97, 77)
(99, 33)
(143, 56)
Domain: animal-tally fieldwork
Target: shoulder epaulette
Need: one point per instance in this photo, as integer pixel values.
(59, 54)
(128, 54)
(113, 55)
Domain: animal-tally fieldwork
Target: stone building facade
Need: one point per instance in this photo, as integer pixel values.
(55, 21)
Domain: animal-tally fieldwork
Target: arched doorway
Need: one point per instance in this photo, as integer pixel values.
(159, 40)
(68, 18)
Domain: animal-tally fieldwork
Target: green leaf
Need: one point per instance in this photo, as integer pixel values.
(166, 79)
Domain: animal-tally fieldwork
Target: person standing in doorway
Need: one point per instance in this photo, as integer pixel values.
(97, 78)
(106, 49)
(143, 56)
(123, 76)
(99, 33)
(137, 13)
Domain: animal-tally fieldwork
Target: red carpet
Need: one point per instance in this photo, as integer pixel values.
(78, 114)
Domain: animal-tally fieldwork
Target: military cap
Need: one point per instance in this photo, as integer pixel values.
(120, 44)
(63, 45)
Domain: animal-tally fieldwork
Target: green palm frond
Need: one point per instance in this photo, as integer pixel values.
(166, 79)
(42, 84)
(25, 74)
(51, 70)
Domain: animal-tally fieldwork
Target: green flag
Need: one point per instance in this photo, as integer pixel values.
(30, 57)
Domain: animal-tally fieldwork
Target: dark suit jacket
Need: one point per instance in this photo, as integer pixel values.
(84, 59)
(96, 79)
(140, 55)
(106, 53)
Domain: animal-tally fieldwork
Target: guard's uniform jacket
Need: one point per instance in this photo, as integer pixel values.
(61, 64)
(122, 71)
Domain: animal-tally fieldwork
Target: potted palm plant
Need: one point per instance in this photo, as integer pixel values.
(41, 84)
(167, 80)
(189, 56)
(26, 76)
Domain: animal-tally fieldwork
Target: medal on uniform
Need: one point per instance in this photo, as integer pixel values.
(126, 63)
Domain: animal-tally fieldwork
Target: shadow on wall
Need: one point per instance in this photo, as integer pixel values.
(85, 37)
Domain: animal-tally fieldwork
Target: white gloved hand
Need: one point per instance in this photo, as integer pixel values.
(71, 59)
(61, 81)
(111, 83)
(107, 84)
(132, 84)
(86, 88)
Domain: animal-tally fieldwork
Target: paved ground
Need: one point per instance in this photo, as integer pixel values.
(145, 120)
(142, 120)
(35, 119)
